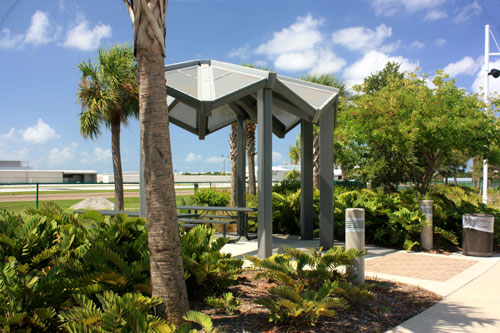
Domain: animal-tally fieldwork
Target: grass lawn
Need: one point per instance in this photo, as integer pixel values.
(131, 204)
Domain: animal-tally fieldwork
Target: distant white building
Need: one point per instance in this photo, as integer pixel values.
(21, 172)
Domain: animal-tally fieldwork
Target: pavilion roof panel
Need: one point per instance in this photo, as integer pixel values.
(206, 92)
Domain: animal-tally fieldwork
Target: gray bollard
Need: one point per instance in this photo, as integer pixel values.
(427, 232)
(355, 239)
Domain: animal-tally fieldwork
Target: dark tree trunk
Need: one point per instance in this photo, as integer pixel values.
(316, 159)
(252, 188)
(117, 164)
(233, 156)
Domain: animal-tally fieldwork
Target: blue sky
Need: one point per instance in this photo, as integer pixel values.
(42, 42)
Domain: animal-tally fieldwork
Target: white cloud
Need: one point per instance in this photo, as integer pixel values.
(214, 159)
(296, 61)
(373, 62)
(84, 38)
(469, 11)
(393, 7)
(327, 62)
(440, 42)
(417, 44)
(8, 41)
(466, 65)
(41, 31)
(58, 157)
(362, 38)
(99, 155)
(300, 36)
(494, 84)
(39, 133)
(435, 15)
(10, 135)
(192, 157)
(301, 46)
(241, 52)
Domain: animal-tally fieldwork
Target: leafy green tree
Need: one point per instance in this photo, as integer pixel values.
(404, 131)
(108, 95)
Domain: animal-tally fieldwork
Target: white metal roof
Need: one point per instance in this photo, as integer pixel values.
(206, 95)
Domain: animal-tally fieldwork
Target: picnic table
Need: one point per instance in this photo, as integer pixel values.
(230, 215)
(200, 215)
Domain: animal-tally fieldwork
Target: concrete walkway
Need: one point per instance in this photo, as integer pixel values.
(470, 285)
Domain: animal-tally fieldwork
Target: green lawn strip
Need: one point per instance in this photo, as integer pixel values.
(47, 192)
(132, 204)
(19, 206)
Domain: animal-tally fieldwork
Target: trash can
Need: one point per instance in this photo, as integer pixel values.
(477, 235)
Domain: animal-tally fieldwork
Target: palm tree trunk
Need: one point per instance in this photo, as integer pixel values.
(167, 273)
(117, 165)
(316, 159)
(252, 188)
(233, 156)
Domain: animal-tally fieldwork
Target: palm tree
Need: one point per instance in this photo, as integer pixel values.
(108, 95)
(233, 157)
(327, 80)
(167, 273)
(250, 143)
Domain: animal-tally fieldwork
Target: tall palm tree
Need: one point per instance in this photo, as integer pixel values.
(167, 273)
(233, 157)
(108, 95)
(327, 80)
(250, 143)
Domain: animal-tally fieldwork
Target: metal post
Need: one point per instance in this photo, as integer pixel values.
(486, 93)
(355, 239)
(426, 235)
(326, 180)
(306, 180)
(240, 167)
(264, 127)
(37, 193)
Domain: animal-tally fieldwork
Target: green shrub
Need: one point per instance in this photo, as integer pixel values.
(306, 282)
(288, 305)
(207, 270)
(211, 197)
(286, 186)
(227, 302)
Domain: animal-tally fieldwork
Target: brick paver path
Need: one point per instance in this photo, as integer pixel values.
(418, 266)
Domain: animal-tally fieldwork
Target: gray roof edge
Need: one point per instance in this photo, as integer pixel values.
(308, 83)
(184, 64)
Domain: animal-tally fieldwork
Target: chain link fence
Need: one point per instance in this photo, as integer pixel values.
(19, 196)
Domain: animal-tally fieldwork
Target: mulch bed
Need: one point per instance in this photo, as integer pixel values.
(394, 303)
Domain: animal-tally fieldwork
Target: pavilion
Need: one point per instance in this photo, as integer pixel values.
(207, 95)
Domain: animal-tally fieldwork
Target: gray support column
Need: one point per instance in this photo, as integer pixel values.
(241, 173)
(355, 239)
(142, 186)
(306, 180)
(264, 127)
(326, 180)
(426, 235)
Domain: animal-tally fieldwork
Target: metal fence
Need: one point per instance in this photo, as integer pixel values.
(20, 196)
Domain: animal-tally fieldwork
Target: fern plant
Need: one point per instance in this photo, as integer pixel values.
(227, 302)
(288, 305)
(127, 313)
(300, 269)
(207, 270)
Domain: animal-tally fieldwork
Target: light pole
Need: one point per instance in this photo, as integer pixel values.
(495, 73)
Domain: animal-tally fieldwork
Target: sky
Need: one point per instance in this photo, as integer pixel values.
(42, 42)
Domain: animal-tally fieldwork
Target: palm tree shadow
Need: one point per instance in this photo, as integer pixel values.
(446, 316)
